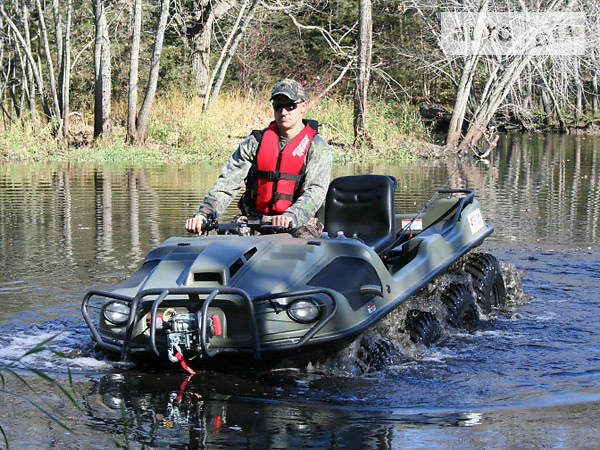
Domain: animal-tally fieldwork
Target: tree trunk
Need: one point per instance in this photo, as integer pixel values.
(595, 92)
(143, 117)
(578, 85)
(66, 81)
(527, 102)
(106, 74)
(98, 12)
(23, 75)
(29, 71)
(557, 107)
(229, 52)
(460, 104)
(594, 64)
(578, 101)
(199, 33)
(24, 81)
(133, 70)
(51, 74)
(207, 104)
(13, 93)
(364, 44)
(489, 104)
(200, 57)
(59, 47)
(102, 73)
(548, 110)
(5, 69)
(464, 87)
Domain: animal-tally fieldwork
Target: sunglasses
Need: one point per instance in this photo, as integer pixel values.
(287, 106)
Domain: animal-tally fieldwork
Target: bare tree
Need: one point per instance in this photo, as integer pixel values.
(66, 71)
(27, 38)
(49, 62)
(500, 72)
(144, 114)
(133, 70)
(32, 60)
(29, 61)
(102, 72)
(465, 84)
(197, 22)
(235, 36)
(58, 27)
(363, 75)
(594, 66)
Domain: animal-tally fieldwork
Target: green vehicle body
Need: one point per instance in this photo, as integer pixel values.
(257, 285)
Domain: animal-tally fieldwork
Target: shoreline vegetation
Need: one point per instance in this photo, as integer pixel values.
(186, 81)
(180, 133)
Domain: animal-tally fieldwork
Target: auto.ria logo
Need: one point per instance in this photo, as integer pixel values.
(506, 33)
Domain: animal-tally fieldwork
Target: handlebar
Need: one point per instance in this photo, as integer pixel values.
(267, 228)
(245, 228)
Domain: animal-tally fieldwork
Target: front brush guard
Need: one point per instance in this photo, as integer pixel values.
(203, 305)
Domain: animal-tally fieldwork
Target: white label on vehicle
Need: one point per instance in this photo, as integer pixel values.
(371, 308)
(475, 221)
(416, 225)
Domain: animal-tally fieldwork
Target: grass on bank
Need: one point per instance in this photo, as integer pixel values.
(179, 133)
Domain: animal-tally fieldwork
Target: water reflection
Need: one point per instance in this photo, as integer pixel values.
(64, 217)
(213, 409)
(104, 213)
(539, 189)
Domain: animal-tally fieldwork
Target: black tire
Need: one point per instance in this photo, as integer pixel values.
(375, 354)
(460, 305)
(488, 284)
(423, 327)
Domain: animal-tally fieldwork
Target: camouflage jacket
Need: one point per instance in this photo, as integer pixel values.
(234, 172)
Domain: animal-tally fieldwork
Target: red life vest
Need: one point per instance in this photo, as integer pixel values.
(279, 172)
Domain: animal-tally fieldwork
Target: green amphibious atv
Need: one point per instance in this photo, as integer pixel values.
(238, 298)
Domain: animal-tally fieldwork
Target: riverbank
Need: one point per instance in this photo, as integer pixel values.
(180, 133)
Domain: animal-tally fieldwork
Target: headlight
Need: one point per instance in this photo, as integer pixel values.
(303, 310)
(116, 312)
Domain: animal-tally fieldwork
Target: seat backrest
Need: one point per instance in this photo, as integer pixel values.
(362, 205)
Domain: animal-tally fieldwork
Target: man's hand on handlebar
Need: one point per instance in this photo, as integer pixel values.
(281, 220)
(276, 224)
(196, 224)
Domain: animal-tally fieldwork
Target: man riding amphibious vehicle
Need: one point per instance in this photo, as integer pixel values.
(286, 168)
(237, 298)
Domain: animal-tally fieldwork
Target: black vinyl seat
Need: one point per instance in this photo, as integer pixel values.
(362, 206)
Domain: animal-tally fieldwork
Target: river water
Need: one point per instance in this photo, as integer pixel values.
(526, 377)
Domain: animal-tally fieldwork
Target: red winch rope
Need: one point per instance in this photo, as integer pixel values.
(183, 387)
(184, 365)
